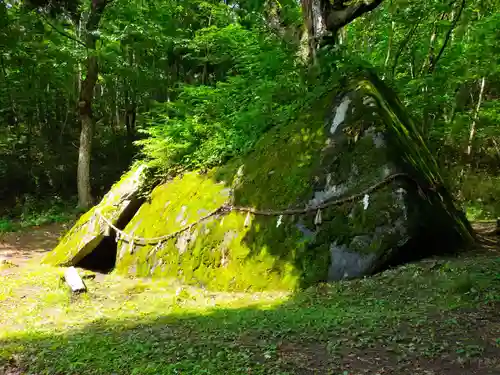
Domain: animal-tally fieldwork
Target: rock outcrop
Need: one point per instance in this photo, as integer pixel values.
(364, 191)
(363, 138)
(118, 206)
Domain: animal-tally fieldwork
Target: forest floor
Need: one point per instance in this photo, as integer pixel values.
(29, 244)
(438, 316)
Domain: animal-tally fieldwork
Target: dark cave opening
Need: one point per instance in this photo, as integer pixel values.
(102, 258)
(431, 242)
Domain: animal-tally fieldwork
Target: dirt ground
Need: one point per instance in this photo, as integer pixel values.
(19, 247)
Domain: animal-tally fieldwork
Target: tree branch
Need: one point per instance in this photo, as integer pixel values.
(476, 116)
(341, 14)
(429, 61)
(92, 24)
(432, 67)
(60, 31)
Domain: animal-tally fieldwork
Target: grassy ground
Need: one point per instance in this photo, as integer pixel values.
(434, 317)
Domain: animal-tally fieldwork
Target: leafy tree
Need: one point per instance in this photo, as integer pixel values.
(196, 82)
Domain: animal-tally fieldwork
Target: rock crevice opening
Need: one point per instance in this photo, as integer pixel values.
(103, 257)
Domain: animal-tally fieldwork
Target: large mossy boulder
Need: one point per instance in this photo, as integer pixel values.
(117, 206)
(347, 143)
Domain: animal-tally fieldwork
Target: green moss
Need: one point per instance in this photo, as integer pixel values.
(288, 167)
(89, 231)
(72, 242)
(217, 255)
(409, 145)
(224, 253)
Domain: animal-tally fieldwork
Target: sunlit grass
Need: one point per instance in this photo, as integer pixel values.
(139, 326)
(37, 298)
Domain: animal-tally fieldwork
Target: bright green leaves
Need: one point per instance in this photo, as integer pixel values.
(210, 123)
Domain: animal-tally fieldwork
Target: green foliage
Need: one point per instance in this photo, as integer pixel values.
(6, 225)
(39, 126)
(33, 212)
(398, 40)
(479, 191)
(207, 125)
(437, 61)
(203, 80)
(149, 52)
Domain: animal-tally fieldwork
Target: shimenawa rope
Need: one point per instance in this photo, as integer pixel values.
(227, 208)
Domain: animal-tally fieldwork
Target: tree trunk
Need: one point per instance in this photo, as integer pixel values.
(389, 45)
(85, 151)
(130, 101)
(311, 27)
(130, 116)
(87, 123)
(472, 132)
(85, 104)
(117, 105)
(324, 18)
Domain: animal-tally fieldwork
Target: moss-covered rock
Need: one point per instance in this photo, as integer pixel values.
(344, 145)
(118, 205)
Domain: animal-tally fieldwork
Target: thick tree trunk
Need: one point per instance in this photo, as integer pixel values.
(311, 26)
(324, 18)
(84, 154)
(86, 119)
(85, 104)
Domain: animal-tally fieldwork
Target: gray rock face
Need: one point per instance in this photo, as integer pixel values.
(402, 219)
(348, 264)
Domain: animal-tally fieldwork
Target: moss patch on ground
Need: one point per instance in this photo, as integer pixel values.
(436, 316)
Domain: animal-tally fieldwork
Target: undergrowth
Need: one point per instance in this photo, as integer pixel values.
(32, 212)
(480, 191)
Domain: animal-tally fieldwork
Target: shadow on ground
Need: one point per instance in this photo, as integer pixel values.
(434, 317)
